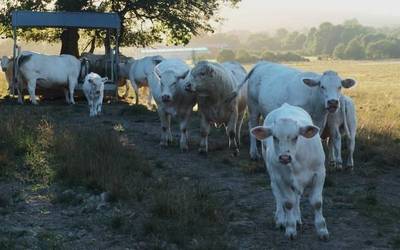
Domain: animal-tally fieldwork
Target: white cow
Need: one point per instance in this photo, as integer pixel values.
(142, 72)
(213, 84)
(270, 85)
(49, 72)
(172, 99)
(93, 88)
(123, 74)
(294, 157)
(343, 122)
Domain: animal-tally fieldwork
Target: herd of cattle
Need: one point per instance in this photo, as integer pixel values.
(299, 108)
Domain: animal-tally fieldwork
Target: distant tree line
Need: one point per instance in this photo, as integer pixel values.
(349, 40)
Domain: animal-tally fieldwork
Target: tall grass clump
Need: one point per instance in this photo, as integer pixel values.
(97, 158)
(24, 145)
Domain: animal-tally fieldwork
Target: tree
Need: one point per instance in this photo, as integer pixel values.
(339, 51)
(144, 22)
(354, 50)
(226, 55)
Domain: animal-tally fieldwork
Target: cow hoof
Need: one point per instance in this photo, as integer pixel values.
(339, 167)
(332, 163)
(184, 149)
(164, 144)
(324, 236)
(203, 152)
(350, 167)
(291, 235)
(255, 157)
(235, 152)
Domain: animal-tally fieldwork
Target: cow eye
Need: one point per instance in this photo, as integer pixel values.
(295, 139)
(322, 87)
(340, 87)
(275, 138)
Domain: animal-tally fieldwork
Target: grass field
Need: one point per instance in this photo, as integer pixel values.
(56, 163)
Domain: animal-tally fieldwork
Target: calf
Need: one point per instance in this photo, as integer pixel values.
(213, 85)
(341, 123)
(294, 157)
(141, 74)
(93, 88)
(270, 85)
(49, 72)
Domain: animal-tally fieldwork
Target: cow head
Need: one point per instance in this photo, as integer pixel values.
(169, 83)
(97, 84)
(330, 86)
(4, 63)
(201, 78)
(285, 134)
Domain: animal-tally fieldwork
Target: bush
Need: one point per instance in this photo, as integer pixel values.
(245, 57)
(354, 50)
(226, 55)
(290, 57)
(338, 52)
(269, 56)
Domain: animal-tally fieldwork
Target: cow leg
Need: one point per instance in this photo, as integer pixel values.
(66, 94)
(351, 143)
(126, 90)
(253, 122)
(297, 212)
(149, 98)
(31, 90)
(204, 131)
(20, 97)
(279, 212)
(91, 107)
(239, 127)
(169, 133)
(316, 202)
(184, 145)
(331, 152)
(164, 127)
(231, 129)
(136, 90)
(289, 206)
(337, 145)
(71, 85)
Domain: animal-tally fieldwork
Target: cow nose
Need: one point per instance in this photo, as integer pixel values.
(166, 98)
(285, 159)
(333, 103)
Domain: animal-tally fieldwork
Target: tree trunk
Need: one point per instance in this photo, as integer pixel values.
(69, 42)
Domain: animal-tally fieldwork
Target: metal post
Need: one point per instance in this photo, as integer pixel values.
(111, 54)
(117, 56)
(14, 78)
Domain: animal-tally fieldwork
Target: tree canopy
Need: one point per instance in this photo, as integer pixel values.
(144, 22)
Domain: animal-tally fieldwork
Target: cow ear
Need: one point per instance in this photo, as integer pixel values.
(104, 79)
(348, 83)
(310, 82)
(261, 132)
(309, 131)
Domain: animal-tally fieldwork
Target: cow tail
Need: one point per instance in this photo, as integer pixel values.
(235, 93)
(344, 115)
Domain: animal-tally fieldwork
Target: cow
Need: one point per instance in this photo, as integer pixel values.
(49, 72)
(142, 72)
(93, 88)
(172, 99)
(123, 75)
(270, 85)
(213, 84)
(101, 64)
(294, 158)
(341, 123)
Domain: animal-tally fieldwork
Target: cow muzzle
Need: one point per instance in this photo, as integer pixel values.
(166, 98)
(285, 159)
(332, 105)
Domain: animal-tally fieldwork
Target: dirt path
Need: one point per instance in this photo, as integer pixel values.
(241, 185)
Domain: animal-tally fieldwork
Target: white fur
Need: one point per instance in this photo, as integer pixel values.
(270, 85)
(49, 72)
(141, 74)
(213, 84)
(93, 88)
(281, 134)
(341, 123)
(172, 99)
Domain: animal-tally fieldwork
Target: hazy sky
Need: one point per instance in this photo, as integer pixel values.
(258, 15)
